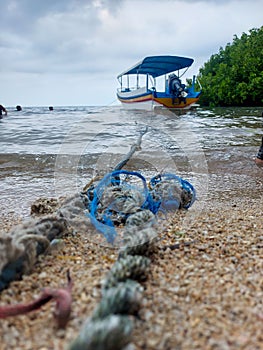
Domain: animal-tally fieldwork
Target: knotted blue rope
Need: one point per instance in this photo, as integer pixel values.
(106, 225)
(174, 179)
(123, 199)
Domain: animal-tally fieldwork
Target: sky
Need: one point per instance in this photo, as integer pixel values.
(69, 52)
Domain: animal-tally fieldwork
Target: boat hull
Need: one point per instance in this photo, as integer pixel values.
(151, 100)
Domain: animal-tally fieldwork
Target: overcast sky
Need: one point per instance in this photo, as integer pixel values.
(69, 52)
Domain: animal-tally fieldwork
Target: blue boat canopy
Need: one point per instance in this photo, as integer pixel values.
(159, 65)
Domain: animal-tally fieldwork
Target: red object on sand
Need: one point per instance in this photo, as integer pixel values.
(63, 299)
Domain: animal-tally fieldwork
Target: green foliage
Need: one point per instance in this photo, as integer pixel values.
(234, 76)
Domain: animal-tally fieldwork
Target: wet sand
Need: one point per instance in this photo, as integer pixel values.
(205, 294)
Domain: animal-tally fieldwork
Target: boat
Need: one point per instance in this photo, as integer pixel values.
(141, 88)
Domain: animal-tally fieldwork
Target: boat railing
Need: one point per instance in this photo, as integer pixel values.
(132, 89)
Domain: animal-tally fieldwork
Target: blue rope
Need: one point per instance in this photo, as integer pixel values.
(105, 224)
(187, 186)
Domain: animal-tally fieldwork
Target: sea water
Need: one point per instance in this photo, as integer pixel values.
(54, 153)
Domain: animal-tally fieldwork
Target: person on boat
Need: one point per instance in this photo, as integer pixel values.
(259, 157)
(2, 109)
(176, 88)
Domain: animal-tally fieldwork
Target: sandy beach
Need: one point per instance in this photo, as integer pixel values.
(205, 292)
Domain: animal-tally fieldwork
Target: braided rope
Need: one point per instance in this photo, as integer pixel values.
(110, 326)
(20, 248)
(114, 204)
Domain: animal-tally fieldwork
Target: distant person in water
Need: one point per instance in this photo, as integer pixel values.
(259, 158)
(50, 108)
(18, 108)
(2, 109)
